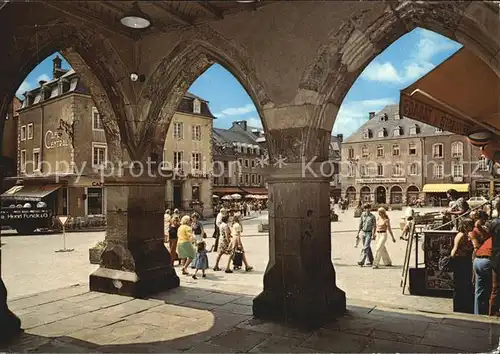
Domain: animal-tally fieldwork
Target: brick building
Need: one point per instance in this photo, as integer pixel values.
(393, 159)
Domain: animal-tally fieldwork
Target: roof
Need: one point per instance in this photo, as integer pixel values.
(233, 136)
(190, 95)
(392, 111)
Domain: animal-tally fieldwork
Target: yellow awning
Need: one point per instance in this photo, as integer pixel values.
(442, 188)
(461, 95)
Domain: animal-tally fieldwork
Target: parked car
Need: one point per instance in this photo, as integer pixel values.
(474, 202)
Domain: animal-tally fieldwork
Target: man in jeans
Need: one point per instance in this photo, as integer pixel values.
(367, 226)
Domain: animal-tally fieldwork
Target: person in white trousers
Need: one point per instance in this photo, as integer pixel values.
(383, 227)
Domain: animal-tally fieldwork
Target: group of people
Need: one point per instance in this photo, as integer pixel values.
(186, 240)
(377, 229)
(244, 208)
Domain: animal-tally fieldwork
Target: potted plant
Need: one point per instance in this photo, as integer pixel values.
(96, 252)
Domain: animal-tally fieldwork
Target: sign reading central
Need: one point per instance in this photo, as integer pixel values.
(54, 140)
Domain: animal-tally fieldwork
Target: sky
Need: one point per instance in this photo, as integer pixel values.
(406, 60)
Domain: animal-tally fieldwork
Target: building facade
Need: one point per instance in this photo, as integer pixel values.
(239, 158)
(394, 160)
(188, 149)
(335, 154)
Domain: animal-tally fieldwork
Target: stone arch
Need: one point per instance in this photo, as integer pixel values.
(86, 51)
(189, 59)
(412, 193)
(366, 33)
(350, 194)
(396, 195)
(381, 195)
(365, 194)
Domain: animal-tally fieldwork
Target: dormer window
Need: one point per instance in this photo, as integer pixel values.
(366, 134)
(383, 117)
(439, 130)
(397, 131)
(196, 106)
(397, 116)
(414, 130)
(381, 133)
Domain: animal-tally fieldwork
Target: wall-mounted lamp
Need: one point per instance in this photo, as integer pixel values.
(135, 18)
(136, 77)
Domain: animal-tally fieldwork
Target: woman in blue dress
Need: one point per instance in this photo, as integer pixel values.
(201, 260)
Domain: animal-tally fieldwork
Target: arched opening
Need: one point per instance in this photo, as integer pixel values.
(351, 194)
(412, 194)
(396, 195)
(365, 194)
(380, 195)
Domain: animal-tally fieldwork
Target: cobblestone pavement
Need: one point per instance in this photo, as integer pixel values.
(30, 265)
(193, 320)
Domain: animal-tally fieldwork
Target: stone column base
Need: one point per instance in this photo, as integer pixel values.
(304, 309)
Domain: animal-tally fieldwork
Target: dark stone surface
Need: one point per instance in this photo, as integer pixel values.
(10, 324)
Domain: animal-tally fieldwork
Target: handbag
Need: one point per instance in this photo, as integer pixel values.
(204, 234)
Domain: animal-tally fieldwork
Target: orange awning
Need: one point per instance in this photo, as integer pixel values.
(461, 95)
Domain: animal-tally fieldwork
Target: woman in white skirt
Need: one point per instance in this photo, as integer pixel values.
(383, 227)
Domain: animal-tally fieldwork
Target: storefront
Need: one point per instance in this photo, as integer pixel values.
(435, 194)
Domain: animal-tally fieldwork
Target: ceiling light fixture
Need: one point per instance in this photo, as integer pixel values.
(135, 18)
(245, 1)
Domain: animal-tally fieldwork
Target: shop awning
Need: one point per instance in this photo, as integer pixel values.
(461, 95)
(239, 190)
(31, 193)
(442, 188)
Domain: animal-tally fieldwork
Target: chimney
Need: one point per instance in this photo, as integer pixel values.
(42, 82)
(242, 124)
(340, 137)
(371, 115)
(57, 70)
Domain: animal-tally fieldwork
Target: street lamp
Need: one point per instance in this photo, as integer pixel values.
(135, 18)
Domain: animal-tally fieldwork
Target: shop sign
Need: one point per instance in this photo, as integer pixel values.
(54, 140)
(422, 112)
(87, 182)
(380, 180)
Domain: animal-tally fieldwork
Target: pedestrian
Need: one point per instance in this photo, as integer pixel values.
(458, 205)
(482, 268)
(218, 221)
(197, 227)
(461, 263)
(225, 245)
(172, 238)
(166, 225)
(237, 244)
(408, 229)
(185, 243)
(495, 259)
(383, 227)
(367, 228)
(201, 260)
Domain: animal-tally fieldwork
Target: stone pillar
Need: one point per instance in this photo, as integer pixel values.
(299, 283)
(135, 261)
(9, 323)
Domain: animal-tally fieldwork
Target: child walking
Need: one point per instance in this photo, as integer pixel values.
(201, 260)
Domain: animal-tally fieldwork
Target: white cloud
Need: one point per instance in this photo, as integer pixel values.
(25, 86)
(43, 77)
(419, 61)
(236, 111)
(354, 114)
(254, 122)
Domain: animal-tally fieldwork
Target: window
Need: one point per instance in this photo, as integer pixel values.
(437, 151)
(364, 152)
(457, 149)
(397, 131)
(196, 106)
(412, 149)
(246, 163)
(196, 161)
(413, 169)
(366, 134)
(439, 130)
(23, 133)
(240, 162)
(252, 163)
(95, 201)
(380, 170)
(36, 160)
(241, 178)
(196, 130)
(350, 153)
(259, 179)
(381, 133)
(22, 163)
(98, 154)
(438, 171)
(253, 178)
(380, 151)
(178, 156)
(30, 131)
(178, 131)
(397, 170)
(458, 170)
(482, 164)
(362, 170)
(96, 120)
(395, 150)
(195, 192)
(413, 130)
(246, 178)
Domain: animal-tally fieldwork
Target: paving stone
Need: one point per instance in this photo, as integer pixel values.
(336, 341)
(25, 342)
(276, 344)
(397, 313)
(274, 328)
(388, 346)
(404, 325)
(199, 305)
(84, 297)
(46, 297)
(235, 308)
(180, 295)
(396, 337)
(180, 310)
(128, 308)
(210, 348)
(35, 319)
(241, 340)
(489, 326)
(102, 302)
(244, 300)
(161, 319)
(57, 346)
(218, 299)
(456, 337)
(356, 325)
